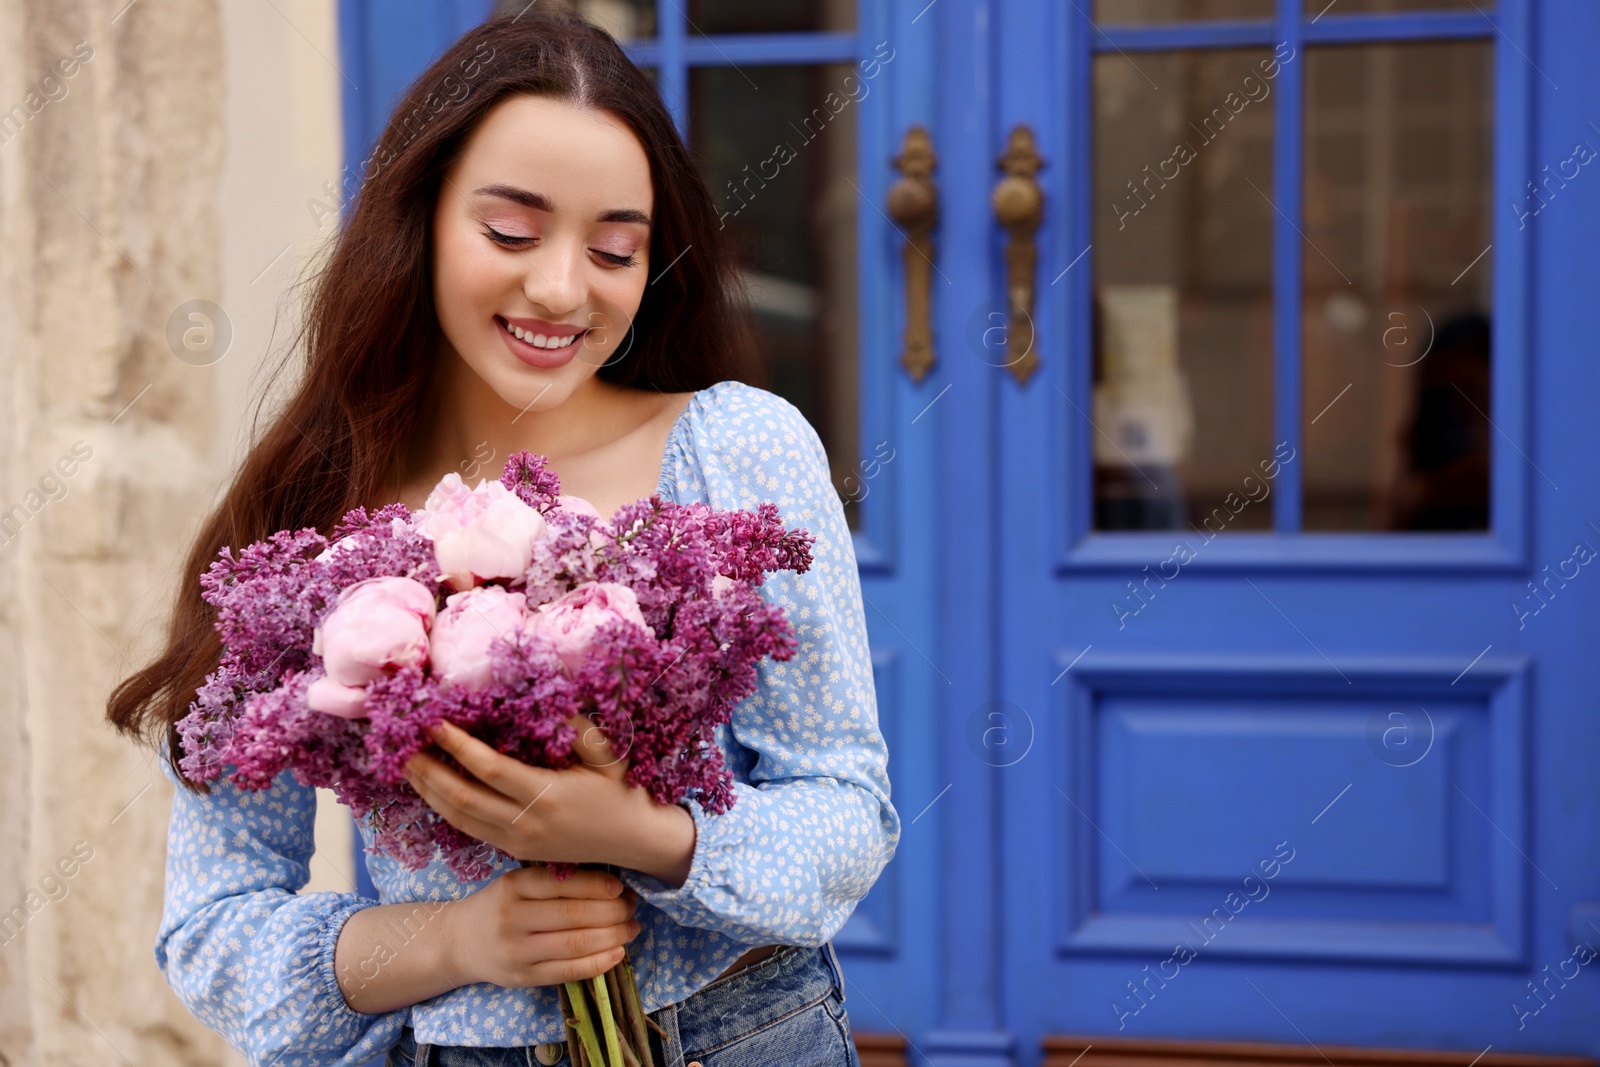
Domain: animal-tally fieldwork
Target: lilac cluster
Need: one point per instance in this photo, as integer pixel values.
(658, 690)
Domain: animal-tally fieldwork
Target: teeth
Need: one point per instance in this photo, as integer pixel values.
(539, 340)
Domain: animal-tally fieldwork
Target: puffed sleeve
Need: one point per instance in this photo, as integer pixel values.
(245, 952)
(813, 826)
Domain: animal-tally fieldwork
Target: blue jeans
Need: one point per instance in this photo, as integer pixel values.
(787, 1009)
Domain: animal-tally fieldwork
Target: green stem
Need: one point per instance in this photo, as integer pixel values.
(627, 1026)
(636, 1015)
(580, 1008)
(608, 1021)
(567, 1020)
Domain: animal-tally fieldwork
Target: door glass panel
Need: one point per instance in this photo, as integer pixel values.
(1318, 8)
(626, 20)
(1142, 12)
(1182, 256)
(777, 145)
(1397, 274)
(771, 16)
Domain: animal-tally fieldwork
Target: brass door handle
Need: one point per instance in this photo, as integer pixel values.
(1019, 205)
(914, 206)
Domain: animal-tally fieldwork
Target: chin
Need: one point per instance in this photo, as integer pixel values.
(518, 385)
(527, 388)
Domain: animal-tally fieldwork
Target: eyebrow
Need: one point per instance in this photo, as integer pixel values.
(540, 202)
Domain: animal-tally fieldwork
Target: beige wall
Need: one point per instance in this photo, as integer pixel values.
(281, 175)
(175, 163)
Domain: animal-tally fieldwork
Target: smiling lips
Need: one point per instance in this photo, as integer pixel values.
(541, 344)
(542, 334)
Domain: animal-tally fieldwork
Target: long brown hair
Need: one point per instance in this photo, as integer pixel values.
(371, 334)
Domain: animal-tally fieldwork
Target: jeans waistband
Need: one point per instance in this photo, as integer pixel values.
(793, 978)
(789, 980)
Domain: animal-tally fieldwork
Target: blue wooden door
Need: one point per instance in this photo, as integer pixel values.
(793, 110)
(1231, 641)
(1294, 617)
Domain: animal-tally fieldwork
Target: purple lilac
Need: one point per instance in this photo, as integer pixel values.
(659, 696)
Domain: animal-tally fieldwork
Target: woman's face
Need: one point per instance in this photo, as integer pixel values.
(541, 245)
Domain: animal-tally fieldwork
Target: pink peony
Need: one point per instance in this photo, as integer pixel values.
(378, 625)
(459, 643)
(577, 506)
(361, 659)
(481, 533)
(569, 622)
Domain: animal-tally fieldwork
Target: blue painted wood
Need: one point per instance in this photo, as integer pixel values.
(355, 126)
(381, 49)
(672, 73)
(1180, 730)
(1071, 273)
(970, 1015)
(1288, 248)
(891, 957)
(1441, 886)
(1496, 552)
(1209, 34)
(1517, 80)
(898, 991)
(1414, 26)
(1227, 709)
(1558, 99)
(1330, 29)
(755, 49)
(878, 130)
(875, 927)
(1503, 549)
(1045, 84)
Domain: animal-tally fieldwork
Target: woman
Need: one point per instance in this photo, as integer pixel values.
(533, 262)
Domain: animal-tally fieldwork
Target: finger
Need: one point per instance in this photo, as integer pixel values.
(456, 790)
(596, 746)
(573, 913)
(557, 971)
(509, 777)
(539, 883)
(486, 832)
(469, 806)
(576, 944)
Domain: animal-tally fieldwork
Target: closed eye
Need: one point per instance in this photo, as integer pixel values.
(508, 241)
(505, 239)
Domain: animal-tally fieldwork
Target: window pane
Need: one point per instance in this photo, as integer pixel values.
(1398, 271)
(1137, 12)
(771, 16)
(780, 157)
(1183, 290)
(626, 20)
(1318, 8)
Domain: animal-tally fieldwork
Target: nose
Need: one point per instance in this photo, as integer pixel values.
(555, 280)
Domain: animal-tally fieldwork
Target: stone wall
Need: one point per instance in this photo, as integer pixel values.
(158, 153)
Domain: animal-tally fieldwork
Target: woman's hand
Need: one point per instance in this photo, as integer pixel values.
(525, 928)
(586, 813)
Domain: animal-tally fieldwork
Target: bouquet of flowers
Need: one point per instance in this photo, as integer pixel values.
(508, 609)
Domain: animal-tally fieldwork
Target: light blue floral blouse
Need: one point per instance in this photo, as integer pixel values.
(810, 830)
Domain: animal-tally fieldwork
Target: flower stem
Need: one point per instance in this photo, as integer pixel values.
(607, 1021)
(573, 1043)
(627, 1025)
(636, 1015)
(580, 1008)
